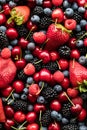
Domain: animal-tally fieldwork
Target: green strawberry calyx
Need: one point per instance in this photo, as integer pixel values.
(63, 28)
(82, 87)
(16, 17)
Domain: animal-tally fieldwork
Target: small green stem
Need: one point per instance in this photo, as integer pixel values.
(40, 89)
(23, 124)
(38, 62)
(69, 99)
(9, 95)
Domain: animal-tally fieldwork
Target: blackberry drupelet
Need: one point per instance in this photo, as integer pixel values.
(21, 75)
(77, 16)
(45, 22)
(46, 118)
(38, 65)
(66, 110)
(83, 50)
(64, 52)
(38, 10)
(20, 105)
(70, 127)
(3, 40)
(49, 93)
(22, 30)
(51, 66)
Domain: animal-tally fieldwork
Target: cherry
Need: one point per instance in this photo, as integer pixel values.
(36, 77)
(6, 91)
(72, 43)
(37, 51)
(62, 97)
(47, 4)
(33, 126)
(55, 105)
(19, 116)
(77, 100)
(18, 85)
(6, 9)
(39, 107)
(85, 42)
(9, 111)
(54, 126)
(8, 124)
(58, 15)
(75, 54)
(65, 83)
(20, 64)
(16, 52)
(10, 25)
(57, 2)
(82, 115)
(31, 3)
(63, 64)
(81, 2)
(2, 18)
(31, 117)
(32, 98)
(72, 93)
(31, 26)
(54, 56)
(12, 33)
(76, 109)
(23, 43)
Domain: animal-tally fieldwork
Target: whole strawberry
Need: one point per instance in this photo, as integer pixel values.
(57, 35)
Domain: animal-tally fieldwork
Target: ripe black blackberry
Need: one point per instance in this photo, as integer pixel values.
(22, 30)
(77, 16)
(3, 40)
(38, 65)
(64, 52)
(45, 22)
(66, 110)
(46, 118)
(83, 50)
(49, 93)
(20, 105)
(38, 10)
(21, 75)
(70, 127)
(51, 66)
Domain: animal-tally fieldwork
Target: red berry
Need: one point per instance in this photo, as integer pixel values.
(33, 126)
(6, 9)
(6, 53)
(85, 42)
(34, 89)
(32, 98)
(36, 77)
(47, 4)
(2, 18)
(20, 64)
(19, 116)
(12, 33)
(55, 105)
(9, 112)
(76, 109)
(63, 64)
(65, 83)
(23, 43)
(31, 117)
(54, 126)
(82, 115)
(72, 93)
(39, 107)
(58, 76)
(77, 100)
(54, 56)
(57, 2)
(29, 69)
(31, 26)
(70, 24)
(6, 91)
(75, 54)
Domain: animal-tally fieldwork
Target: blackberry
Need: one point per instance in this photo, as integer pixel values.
(21, 75)
(51, 66)
(20, 105)
(84, 96)
(64, 51)
(83, 50)
(66, 110)
(38, 11)
(3, 40)
(70, 127)
(38, 65)
(49, 93)
(45, 22)
(22, 30)
(77, 16)
(46, 118)
(81, 35)
(1, 126)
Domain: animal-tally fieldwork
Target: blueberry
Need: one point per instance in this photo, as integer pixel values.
(47, 11)
(59, 117)
(12, 4)
(79, 43)
(31, 46)
(81, 123)
(66, 4)
(56, 116)
(83, 128)
(65, 121)
(66, 73)
(16, 95)
(10, 47)
(83, 22)
(25, 90)
(44, 128)
(10, 101)
(39, 2)
(81, 9)
(40, 99)
(35, 19)
(57, 88)
(30, 107)
(23, 96)
(27, 52)
(82, 60)
(28, 57)
(78, 28)
(74, 6)
(2, 1)
(0, 7)
(14, 42)
(29, 80)
(69, 12)
(3, 28)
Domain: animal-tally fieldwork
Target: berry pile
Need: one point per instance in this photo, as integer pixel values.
(43, 64)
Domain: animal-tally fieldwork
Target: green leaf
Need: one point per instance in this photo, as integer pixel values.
(9, 20)
(82, 89)
(85, 82)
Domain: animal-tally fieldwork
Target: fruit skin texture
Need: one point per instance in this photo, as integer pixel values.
(57, 35)
(2, 114)
(29, 69)
(34, 89)
(7, 72)
(58, 76)
(78, 73)
(19, 116)
(33, 126)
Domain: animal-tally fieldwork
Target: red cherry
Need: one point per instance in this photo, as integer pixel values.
(6, 91)
(55, 105)
(9, 112)
(54, 126)
(45, 75)
(72, 93)
(37, 51)
(31, 26)
(70, 24)
(6, 9)
(33, 126)
(54, 56)
(47, 4)
(32, 98)
(20, 64)
(82, 115)
(81, 2)
(76, 109)
(77, 100)
(12, 33)
(34, 89)
(10, 25)
(31, 117)
(62, 97)
(57, 2)
(85, 42)
(18, 85)
(85, 15)
(65, 83)
(31, 3)
(58, 76)
(36, 77)
(23, 43)
(16, 52)
(2, 18)
(72, 43)
(58, 15)
(44, 56)
(19, 116)
(8, 124)
(39, 107)
(75, 54)
(63, 64)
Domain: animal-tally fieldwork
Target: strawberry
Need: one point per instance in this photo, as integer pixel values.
(7, 72)
(78, 73)
(57, 35)
(2, 114)
(19, 14)
(29, 69)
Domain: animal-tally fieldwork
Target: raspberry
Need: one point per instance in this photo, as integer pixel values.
(29, 69)
(6, 53)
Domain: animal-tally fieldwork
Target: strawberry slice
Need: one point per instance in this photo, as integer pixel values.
(2, 114)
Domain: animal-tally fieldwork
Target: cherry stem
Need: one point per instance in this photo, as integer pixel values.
(21, 126)
(9, 95)
(69, 99)
(29, 33)
(1, 11)
(58, 65)
(82, 36)
(41, 88)
(44, 44)
(40, 119)
(38, 62)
